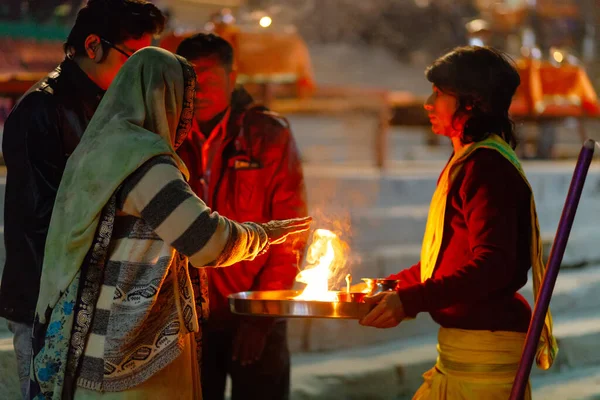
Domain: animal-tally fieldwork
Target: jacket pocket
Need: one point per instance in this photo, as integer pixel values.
(247, 189)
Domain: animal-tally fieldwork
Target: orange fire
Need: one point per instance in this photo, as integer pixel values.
(325, 258)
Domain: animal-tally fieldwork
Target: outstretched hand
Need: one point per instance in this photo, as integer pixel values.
(279, 230)
(387, 313)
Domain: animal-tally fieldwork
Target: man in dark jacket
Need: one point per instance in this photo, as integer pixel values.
(43, 130)
(243, 163)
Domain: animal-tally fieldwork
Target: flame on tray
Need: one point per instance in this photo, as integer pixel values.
(324, 256)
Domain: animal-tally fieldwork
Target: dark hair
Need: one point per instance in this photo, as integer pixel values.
(114, 21)
(484, 81)
(207, 45)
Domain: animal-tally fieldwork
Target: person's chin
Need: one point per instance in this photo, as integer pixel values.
(440, 131)
(203, 114)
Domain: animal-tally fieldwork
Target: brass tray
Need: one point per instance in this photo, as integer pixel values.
(279, 303)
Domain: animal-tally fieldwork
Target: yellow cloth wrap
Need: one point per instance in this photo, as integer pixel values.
(473, 365)
(432, 240)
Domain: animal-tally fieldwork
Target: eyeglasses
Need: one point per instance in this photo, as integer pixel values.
(116, 48)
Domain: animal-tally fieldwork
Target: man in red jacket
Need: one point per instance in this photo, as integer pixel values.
(243, 163)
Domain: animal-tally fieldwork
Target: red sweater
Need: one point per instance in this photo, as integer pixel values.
(485, 252)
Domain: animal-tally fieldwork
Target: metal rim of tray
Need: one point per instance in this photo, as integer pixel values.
(278, 303)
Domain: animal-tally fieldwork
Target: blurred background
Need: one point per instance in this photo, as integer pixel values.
(374, 52)
(348, 75)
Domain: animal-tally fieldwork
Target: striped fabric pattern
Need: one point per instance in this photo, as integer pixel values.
(146, 303)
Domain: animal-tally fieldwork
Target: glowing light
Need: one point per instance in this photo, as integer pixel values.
(265, 21)
(558, 56)
(322, 259)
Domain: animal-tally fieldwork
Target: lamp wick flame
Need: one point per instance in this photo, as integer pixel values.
(321, 256)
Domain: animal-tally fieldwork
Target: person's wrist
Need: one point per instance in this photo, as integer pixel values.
(400, 313)
(404, 295)
(266, 238)
(266, 248)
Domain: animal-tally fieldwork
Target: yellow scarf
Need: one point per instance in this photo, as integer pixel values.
(432, 241)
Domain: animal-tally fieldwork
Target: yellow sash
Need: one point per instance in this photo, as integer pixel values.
(473, 365)
(547, 347)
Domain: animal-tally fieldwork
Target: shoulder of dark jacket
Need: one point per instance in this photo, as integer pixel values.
(43, 89)
(69, 85)
(37, 107)
(38, 101)
(264, 121)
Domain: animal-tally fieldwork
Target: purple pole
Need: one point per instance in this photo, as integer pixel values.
(556, 254)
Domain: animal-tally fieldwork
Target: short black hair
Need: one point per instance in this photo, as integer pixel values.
(207, 45)
(484, 81)
(115, 21)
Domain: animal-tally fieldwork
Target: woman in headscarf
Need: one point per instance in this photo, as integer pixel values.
(481, 238)
(117, 309)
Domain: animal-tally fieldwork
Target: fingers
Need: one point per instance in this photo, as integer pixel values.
(384, 313)
(377, 319)
(301, 220)
(246, 356)
(300, 225)
(279, 230)
(297, 229)
(279, 240)
(284, 232)
(296, 223)
(385, 320)
(241, 352)
(290, 223)
(368, 319)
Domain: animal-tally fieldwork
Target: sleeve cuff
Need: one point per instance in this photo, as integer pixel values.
(412, 299)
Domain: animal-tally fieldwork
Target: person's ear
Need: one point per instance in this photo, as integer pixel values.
(93, 48)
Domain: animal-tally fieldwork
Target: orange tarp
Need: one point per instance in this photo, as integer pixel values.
(265, 56)
(554, 90)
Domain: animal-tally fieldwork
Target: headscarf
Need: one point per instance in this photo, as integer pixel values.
(147, 111)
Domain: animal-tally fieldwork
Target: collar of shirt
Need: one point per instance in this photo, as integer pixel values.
(80, 83)
(209, 144)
